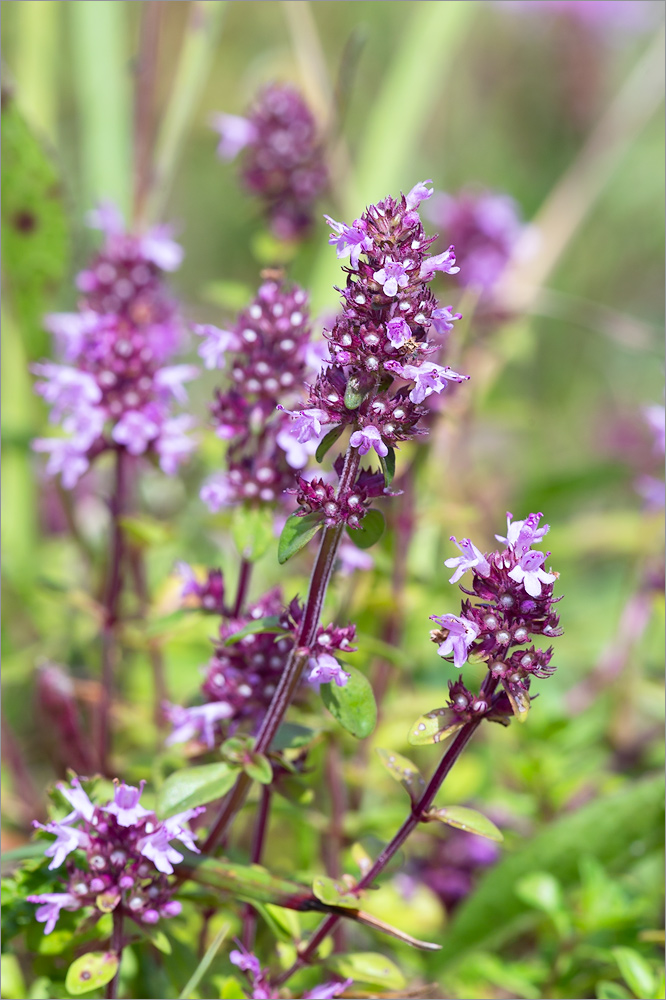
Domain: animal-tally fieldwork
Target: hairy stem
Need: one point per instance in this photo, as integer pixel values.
(291, 675)
(258, 839)
(117, 947)
(416, 816)
(112, 592)
(243, 585)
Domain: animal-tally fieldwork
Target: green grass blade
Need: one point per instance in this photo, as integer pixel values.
(204, 964)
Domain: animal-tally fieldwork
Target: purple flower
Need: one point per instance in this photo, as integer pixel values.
(125, 806)
(53, 903)
(66, 388)
(398, 331)
(173, 445)
(440, 262)
(428, 377)
(170, 380)
(471, 558)
(135, 430)
(245, 961)
(324, 668)
(352, 558)
(418, 194)
(77, 798)
(217, 342)
(328, 990)
(461, 635)
(392, 275)
(217, 492)
(531, 574)
(235, 134)
(652, 490)
(70, 330)
(443, 319)
(156, 848)
(68, 839)
(157, 246)
(65, 459)
(656, 419)
(107, 217)
(367, 438)
(521, 535)
(197, 722)
(349, 241)
(307, 423)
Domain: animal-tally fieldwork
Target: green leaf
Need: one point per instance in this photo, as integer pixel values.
(328, 441)
(252, 531)
(358, 387)
(635, 971)
(94, 969)
(195, 786)
(605, 829)
(352, 705)
(466, 819)
(371, 530)
(157, 937)
(388, 466)
(334, 893)
(144, 532)
(259, 768)
(284, 923)
(291, 736)
(258, 626)
(542, 891)
(368, 967)
(401, 769)
(34, 226)
(251, 883)
(296, 533)
(607, 990)
(204, 964)
(231, 989)
(433, 727)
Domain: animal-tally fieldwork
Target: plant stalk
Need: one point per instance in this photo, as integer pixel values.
(291, 675)
(261, 826)
(416, 816)
(243, 585)
(117, 947)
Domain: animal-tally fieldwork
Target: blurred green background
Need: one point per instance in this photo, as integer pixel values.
(567, 118)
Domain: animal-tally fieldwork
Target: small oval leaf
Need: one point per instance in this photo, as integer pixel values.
(368, 967)
(252, 530)
(334, 893)
(371, 530)
(296, 533)
(470, 820)
(195, 786)
(520, 701)
(90, 971)
(353, 705)
(402, 770)
(328, 441)
(257, 627)
(433, 727)
(357, 389)
(388, 466)
(259, 768)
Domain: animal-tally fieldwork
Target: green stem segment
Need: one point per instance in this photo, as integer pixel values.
(291, 675)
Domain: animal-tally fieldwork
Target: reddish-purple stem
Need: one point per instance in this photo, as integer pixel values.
(260, 829)
(243, 584)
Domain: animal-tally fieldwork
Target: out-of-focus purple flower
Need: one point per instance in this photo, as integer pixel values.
(170, 380)
(68, 839)
(52, 903)
(174, 443)
(197, 722)
(217, 493)
(531, 574)
(328, 990)
(471, 558)
(160, 249)
(367, 438)
(652, 490)
(235, 133)
(461, 635)
(656, 420)
(135, 430)
(352, 558)
(349, 241)
(324, 669)
(78, 800)
(215, 345)
(393, 275)
(283, 163)
(631, 15)
(65, 459)
(297, 453)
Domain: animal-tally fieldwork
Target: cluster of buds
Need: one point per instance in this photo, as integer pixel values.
(205, 595)
(283, 160)
(486, 227)
(317, 495)
(513, 601)
(379, 374)
(113, 388)
(128, 856)
(268, 353)
(260, 984)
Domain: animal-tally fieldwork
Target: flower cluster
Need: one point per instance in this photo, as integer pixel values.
(260, 983)
(206, 595)
(455, 864)
(317, 495)
(486, 227)
(379, 374)
(128, 856)
(269, 353)
(514, 601)
(112, 388)
(283, 162)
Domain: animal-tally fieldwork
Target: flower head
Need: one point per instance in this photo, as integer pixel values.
(471, 558)
(458, 636)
